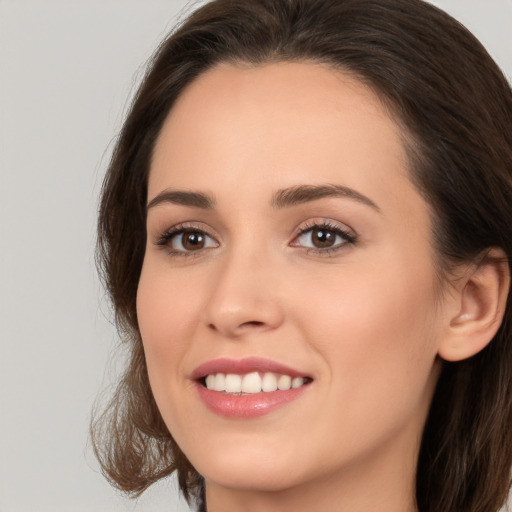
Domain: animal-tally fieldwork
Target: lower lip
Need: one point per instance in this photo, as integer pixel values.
(247, 406)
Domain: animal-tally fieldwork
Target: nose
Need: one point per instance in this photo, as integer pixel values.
(244, 298)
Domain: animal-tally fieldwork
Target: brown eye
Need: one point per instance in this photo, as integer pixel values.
(322, 238)
(191, 240)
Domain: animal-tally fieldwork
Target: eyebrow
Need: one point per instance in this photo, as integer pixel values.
(184, 198)
(283, 198)
(305, 193)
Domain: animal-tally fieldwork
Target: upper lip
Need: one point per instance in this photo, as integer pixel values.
(243, 366)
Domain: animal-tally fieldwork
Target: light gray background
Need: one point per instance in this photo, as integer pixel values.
(66, 70)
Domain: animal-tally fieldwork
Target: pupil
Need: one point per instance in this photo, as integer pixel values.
(193, 241)
(323, 238)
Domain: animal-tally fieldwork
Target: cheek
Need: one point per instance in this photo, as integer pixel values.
(377, 329)
(377, 337)
(166, 308)
(166, 313)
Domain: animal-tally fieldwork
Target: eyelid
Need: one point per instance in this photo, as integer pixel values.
(325, 222)
(163, 240)
(349, 235)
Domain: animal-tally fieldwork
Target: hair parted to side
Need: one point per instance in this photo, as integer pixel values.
(456, 107)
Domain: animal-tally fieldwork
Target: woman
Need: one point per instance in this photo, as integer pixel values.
(305, 232)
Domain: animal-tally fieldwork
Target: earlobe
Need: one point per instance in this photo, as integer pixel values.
(481, 298)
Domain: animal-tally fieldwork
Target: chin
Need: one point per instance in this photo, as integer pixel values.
(249, 477)
(248, 468)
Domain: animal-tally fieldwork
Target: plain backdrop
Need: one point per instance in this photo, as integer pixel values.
(67, 68)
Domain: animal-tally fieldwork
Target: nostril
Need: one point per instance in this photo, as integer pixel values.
(253, 323)
(238, 329)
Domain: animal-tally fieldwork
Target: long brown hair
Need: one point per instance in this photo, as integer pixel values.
(456, 106)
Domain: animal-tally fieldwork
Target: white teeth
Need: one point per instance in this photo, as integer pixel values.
(284, 382)
(269, 382)
(297, 382)
(210, 381)
(233, 383)
(220, 382)
(252, 383)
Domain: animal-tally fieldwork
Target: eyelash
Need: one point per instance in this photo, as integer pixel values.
(181, 229)
(349, 238)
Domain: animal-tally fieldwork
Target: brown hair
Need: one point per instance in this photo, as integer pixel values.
(455, 104)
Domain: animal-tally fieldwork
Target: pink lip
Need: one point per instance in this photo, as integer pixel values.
(246, 406)
(241, 366)
(250, 405)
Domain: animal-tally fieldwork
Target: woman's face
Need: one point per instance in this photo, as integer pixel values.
(287, 246)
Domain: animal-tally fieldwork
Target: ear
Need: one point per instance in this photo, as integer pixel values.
(478, 306)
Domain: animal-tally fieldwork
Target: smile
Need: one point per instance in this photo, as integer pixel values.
(247, 388)
(254, 382)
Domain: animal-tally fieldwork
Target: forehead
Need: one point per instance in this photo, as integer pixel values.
(281, 124)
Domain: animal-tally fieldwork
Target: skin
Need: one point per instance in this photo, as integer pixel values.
(364, 320)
